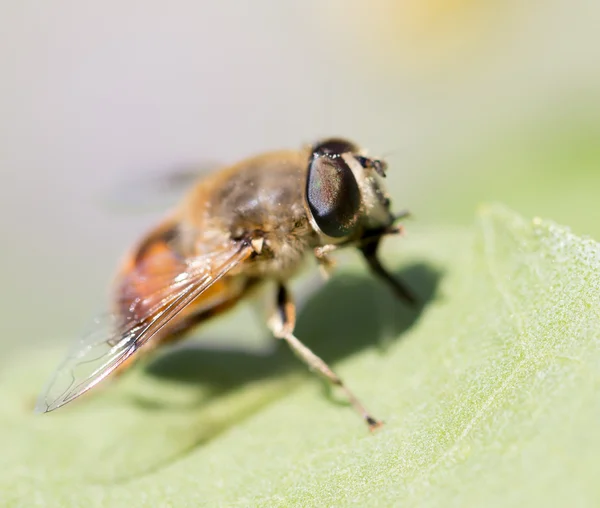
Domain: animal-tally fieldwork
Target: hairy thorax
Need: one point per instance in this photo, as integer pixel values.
(264, 198)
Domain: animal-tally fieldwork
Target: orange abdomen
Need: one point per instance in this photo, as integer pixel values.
(146, 274)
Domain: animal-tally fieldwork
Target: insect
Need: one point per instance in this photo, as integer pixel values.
(256, 221)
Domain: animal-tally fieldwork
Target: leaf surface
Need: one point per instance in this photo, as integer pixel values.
(490, 394)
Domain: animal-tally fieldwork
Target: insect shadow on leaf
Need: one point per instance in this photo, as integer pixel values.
(348, 314)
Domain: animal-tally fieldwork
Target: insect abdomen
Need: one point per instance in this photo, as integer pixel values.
(152, 266)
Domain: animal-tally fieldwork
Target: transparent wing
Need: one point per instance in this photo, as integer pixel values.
(114, 337)
(154, 190)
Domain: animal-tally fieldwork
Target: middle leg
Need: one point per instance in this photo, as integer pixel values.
(282, 325)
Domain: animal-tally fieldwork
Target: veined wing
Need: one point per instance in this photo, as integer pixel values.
(115, 337)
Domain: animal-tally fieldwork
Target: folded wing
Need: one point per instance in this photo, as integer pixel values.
(115, 337)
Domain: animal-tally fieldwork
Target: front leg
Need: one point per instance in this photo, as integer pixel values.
(326, 264)
(282, 325)
(369, 251)
(369, 246)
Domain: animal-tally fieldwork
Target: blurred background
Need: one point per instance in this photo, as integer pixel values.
(470, 100)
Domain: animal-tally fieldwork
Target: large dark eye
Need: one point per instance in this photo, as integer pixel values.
(333, 195)
(334, 146)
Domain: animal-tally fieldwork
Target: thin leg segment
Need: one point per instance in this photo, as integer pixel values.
(370, 244)
(282, 325)
(369, 251)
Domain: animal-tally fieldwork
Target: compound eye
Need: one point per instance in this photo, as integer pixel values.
(333, 196)
(334, 146)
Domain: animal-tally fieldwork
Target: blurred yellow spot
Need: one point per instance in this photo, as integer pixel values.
(429, 13)
(422, 35)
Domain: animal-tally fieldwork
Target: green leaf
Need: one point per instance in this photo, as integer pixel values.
(490, 394)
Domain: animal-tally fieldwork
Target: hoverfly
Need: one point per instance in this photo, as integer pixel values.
(237, 228)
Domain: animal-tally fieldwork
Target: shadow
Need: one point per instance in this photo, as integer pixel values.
(348, 314)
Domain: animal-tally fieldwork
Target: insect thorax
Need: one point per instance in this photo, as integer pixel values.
(265, 199)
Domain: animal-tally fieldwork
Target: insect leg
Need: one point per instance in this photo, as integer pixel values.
(369, 251)
(402, 214)
(326, 264)
(282, 325)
